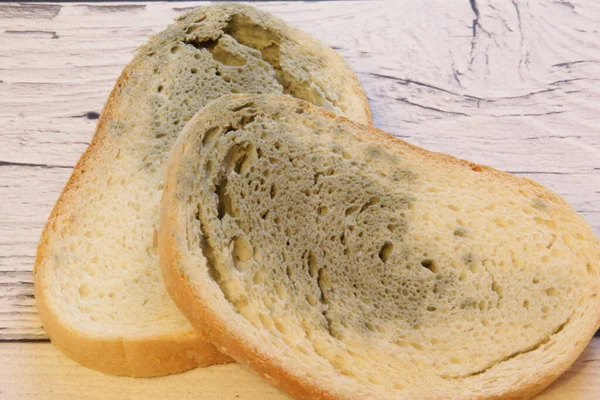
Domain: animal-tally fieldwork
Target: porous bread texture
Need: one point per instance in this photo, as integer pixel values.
(98, 285)
(339, 262)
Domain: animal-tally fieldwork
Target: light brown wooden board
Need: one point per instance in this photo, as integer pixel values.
(511, 84)
(40, 371)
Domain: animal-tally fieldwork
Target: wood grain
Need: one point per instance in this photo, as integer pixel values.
(40, 371)
(511, 84)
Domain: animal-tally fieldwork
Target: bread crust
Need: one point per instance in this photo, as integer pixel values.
(207, 320)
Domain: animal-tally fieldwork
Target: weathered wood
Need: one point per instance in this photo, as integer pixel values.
(510, 84)
(40, 371)
(501, 87)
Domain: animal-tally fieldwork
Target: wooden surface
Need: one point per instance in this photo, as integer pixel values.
(40, 371)
(512, 84)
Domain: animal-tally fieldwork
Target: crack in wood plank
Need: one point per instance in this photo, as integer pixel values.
(29, 11)
(32, 165)
(51, 34)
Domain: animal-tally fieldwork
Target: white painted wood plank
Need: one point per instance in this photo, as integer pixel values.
(514, 85)
(511, 84)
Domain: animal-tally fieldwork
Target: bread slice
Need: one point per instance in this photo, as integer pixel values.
(98, 284)
(341, 263)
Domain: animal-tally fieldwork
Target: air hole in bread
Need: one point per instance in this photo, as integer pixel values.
(281, 292)
(312, 300)
(497, 289)
(259, 277)
(221, 52)
(430, 265)
(84, 290)
(247, 105)
(246, 158)
(266, 321)
(545, 309)
(386, 251)
(273, 190)
(209, 135)
(591, 270)
(208, 169)
(246, 32)
(225, 204)
(372, 201)
(206, 44)
(483, 305)
(241, 253)
(225, 57)
(250, 34)
(280, 325)
(352, 210)
(313, 264)
(257, 255)
(192, 29)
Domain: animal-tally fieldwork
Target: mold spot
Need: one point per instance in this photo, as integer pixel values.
(460, 232)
